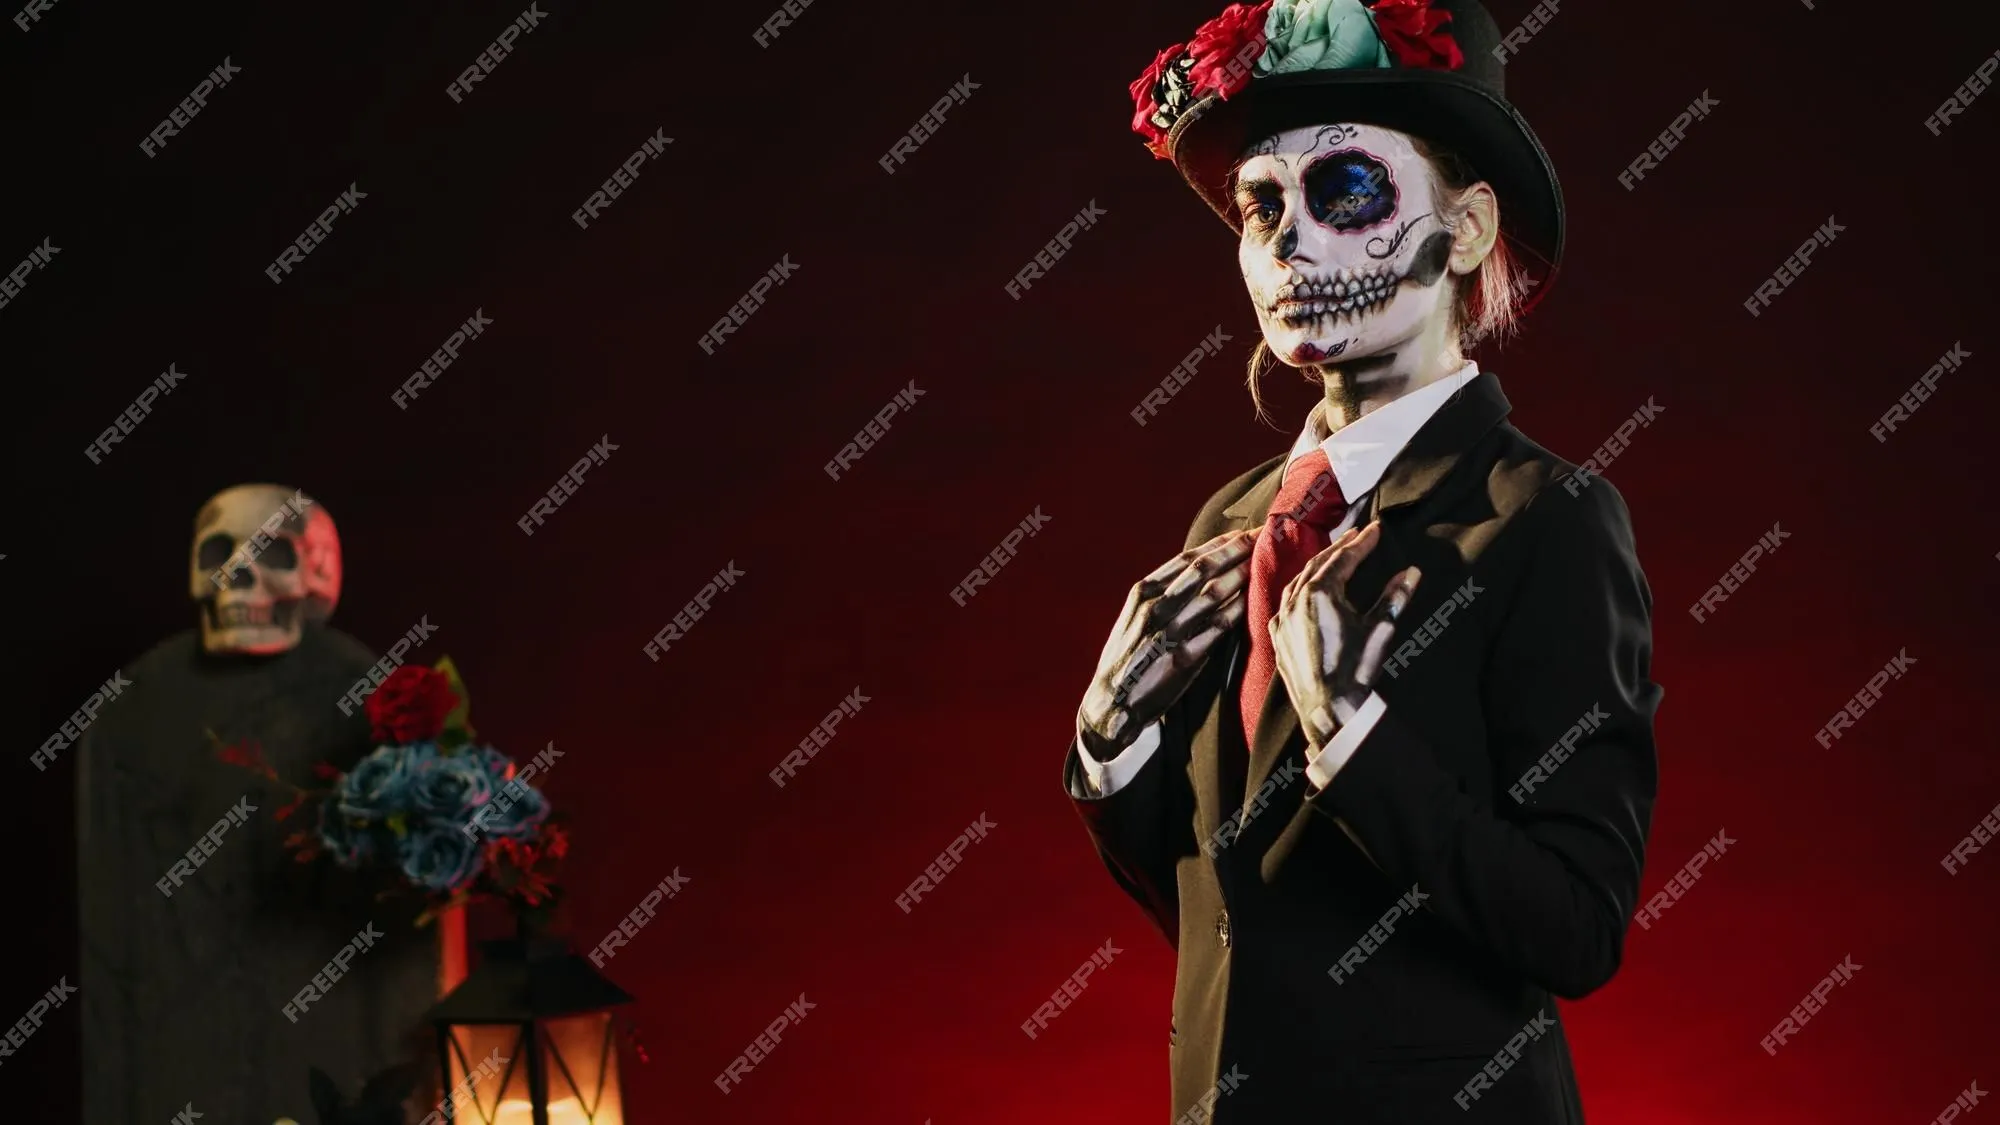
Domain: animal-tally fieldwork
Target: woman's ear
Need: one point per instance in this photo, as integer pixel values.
(1478, 229)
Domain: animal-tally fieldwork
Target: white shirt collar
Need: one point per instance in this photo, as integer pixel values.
(1360, 451)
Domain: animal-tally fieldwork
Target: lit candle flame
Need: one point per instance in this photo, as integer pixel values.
(568, 1111)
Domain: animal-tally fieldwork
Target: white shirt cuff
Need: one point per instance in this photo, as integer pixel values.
(1345, 741)
(1109, 777)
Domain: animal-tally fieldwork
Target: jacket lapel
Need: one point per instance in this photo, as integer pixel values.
(1218, 762)
(1253, 507)
(1427, 459)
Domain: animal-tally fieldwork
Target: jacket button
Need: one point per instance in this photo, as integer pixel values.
(1222, 928)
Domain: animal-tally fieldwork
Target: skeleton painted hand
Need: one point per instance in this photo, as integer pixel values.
(1328, 652)
(1172, 618)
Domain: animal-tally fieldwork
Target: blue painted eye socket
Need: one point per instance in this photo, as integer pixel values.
(1350, 190)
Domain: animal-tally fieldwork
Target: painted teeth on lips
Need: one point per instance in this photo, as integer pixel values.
(1305, 304)
(1346, 289)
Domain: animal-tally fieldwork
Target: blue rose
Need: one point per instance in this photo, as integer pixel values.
(1320, 35)
(449, 787)
(379, 785)
(496, 764)
(349, 844)
(441, 858)
(517, 809)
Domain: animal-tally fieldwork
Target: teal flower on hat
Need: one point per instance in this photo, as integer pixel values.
(1320, 35)
(1252, 41)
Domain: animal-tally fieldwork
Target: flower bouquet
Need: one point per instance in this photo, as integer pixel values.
(454, 819)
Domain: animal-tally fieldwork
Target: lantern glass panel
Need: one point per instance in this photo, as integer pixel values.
(481, 1082)
(580, 1056)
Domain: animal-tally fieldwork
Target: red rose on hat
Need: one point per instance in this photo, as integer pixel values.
(1225, 49)
(1145, 98)
(1414, 33)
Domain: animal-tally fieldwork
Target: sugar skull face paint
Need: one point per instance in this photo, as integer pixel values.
(1342, 251)
(1349, 190)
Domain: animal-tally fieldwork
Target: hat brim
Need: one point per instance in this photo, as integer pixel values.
(1438, 106)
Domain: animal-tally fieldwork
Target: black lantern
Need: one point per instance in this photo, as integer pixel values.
(527, 1039)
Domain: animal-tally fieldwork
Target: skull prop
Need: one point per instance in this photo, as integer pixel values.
(266, 559)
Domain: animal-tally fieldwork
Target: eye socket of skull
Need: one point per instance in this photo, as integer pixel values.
(214, 551)
(280, 554)
(1350, 190)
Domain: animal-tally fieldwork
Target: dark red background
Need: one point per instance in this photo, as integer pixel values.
(899, 278)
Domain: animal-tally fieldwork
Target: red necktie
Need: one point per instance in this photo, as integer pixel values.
(1307, 509)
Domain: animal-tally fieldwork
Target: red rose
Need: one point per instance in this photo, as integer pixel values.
(410, 705)
(1414, 33)
(1147, 104)
(1226, 48)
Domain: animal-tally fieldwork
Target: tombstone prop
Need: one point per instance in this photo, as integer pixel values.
(216, 971)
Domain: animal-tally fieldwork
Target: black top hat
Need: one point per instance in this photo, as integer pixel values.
(1429, 68)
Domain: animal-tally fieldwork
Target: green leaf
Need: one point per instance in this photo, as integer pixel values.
(452, 739)
(399, 824)
(460, 717)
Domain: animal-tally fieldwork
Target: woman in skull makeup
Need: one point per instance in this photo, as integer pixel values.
(1363, 267)
(1382, 840)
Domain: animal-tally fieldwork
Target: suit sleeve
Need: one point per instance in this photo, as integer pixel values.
(1544, 877)
(1143, 827)
(1105, 778)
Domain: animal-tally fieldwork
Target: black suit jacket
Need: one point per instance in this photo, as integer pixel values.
(1521, 901)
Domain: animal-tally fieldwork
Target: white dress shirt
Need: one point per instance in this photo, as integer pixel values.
(1360, 452)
